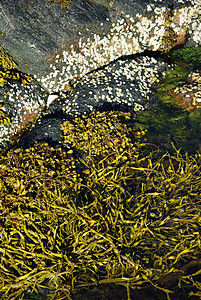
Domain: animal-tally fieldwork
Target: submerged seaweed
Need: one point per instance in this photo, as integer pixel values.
(127, 219)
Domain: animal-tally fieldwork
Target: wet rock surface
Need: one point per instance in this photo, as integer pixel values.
(57, 45)
(22, 104)
(189, 94)
(68, 49)
(80, 76)
(124, 85)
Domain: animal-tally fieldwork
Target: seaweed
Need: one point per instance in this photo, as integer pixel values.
(104, 136)
(128, 218)
(189, 55)
(63, 3)
(4, 118)
(6, 61)
(169, 39)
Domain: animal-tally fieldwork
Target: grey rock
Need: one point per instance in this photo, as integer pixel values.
(124, 85)
(62, 47)
(22, 104)
(58, 45)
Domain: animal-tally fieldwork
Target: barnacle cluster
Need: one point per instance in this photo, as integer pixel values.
(127, 35)
(131, 222)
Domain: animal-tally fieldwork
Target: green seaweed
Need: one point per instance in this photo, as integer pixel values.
(165, 126)
(190, 55)
(174, 76)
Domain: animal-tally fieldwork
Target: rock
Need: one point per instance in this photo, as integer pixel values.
(189, 95)
(22, 104)
(59, 46)
(124, 85)
(125, 82)
(46, 129)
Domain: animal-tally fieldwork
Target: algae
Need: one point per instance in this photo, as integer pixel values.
(63, 3)
(165, 126)
(174, 76)
(124, 218)
(4, 118)
(187, 55)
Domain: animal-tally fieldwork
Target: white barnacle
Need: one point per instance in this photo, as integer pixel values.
(50, 99)
(149, 8)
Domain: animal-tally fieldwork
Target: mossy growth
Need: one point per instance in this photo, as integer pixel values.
(174, 76)
(165, 126)
(168, 122)
(187, 55)
(131, 221)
